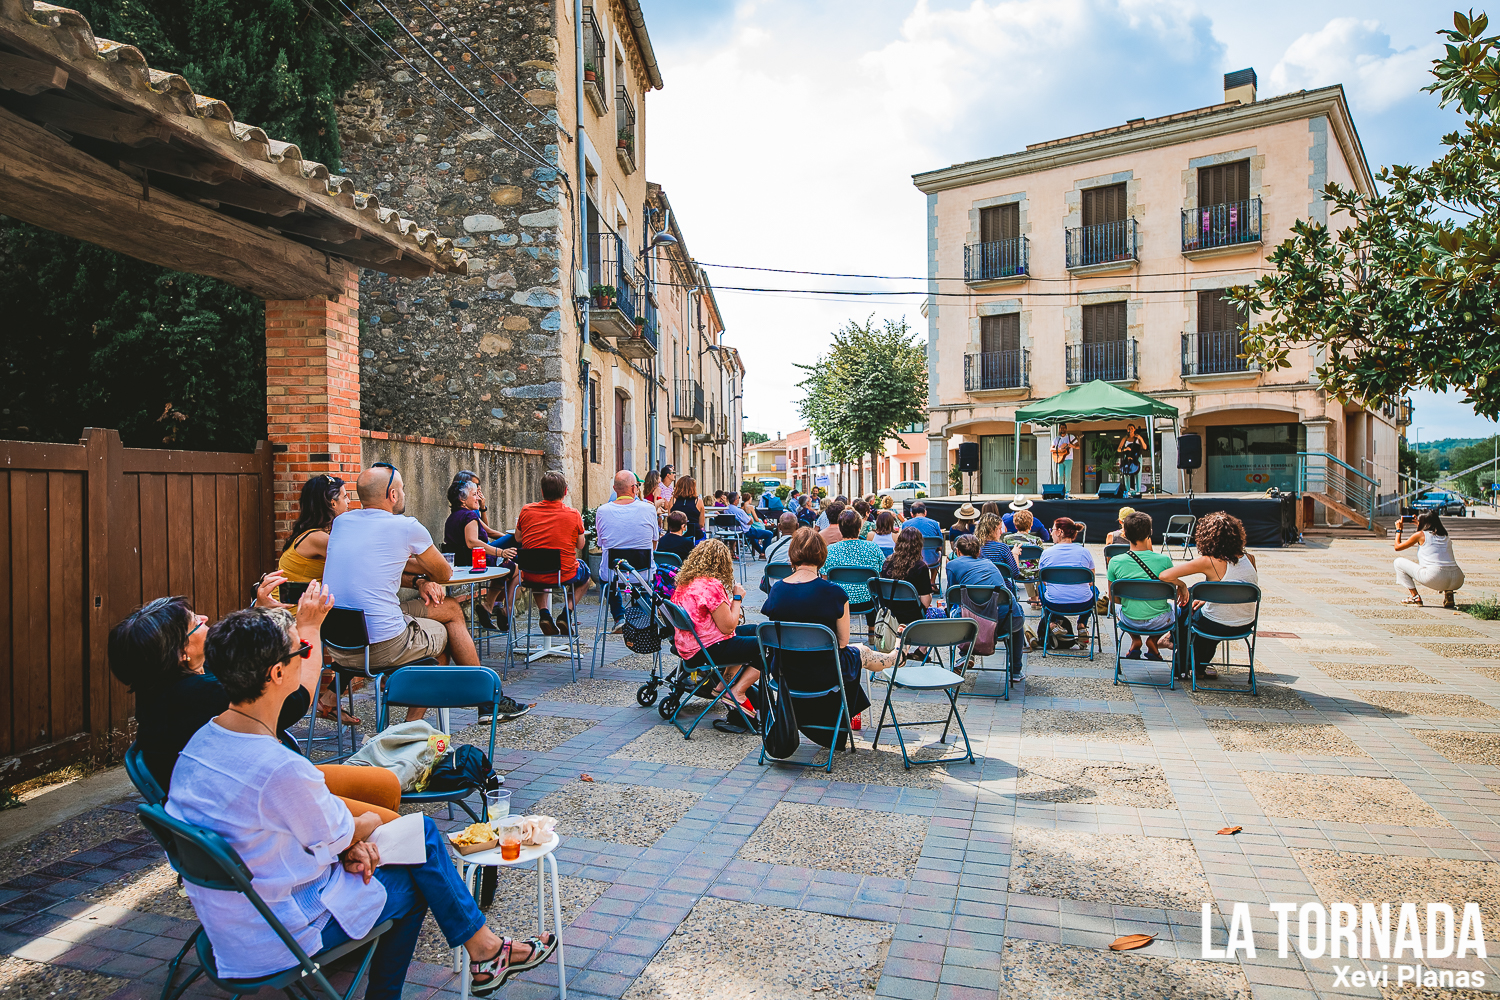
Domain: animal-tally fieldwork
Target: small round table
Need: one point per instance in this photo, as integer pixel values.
(467, 868)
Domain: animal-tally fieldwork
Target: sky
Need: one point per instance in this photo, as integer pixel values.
(788, 130)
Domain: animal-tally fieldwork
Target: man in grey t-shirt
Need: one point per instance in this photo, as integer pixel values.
(624, 523)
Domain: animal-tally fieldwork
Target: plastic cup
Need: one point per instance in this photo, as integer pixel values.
(448, 558)
(498, 802)
(510, 841)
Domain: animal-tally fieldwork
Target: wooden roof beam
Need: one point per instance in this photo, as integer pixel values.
(30, 76)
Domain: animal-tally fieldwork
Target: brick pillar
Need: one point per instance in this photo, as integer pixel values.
(312, 391)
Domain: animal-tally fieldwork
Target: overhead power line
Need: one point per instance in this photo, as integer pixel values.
(903, 277)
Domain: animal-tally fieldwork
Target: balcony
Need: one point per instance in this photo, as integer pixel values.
(1112, 361)
(687, 405)
(1221, 229)
(710, 426)
(998, 371)
(593, 63)
(625, 130)
(1214, 352)
(614, 299)
(642, 342)
(1109, 246)
(1002, 260)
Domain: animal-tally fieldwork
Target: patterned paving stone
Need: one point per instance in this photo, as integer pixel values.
(23, 980)
(595, 691)
(1113, 868)
(621, 814)
(1062, 779)
(836, 839)
(1099, 727)
(1459, 706)
(708, 747)
(883, 765)
(1247, 736)
(148, 890)
(720, 953)
(1464, 650)
(1084, 688)
(1041, 970)
(1345, 876)
(1389, 673)
(512, 914)
(1435, 631)
(81, 833)
(1340, 798)
(1462, 747)
(537, 733)
(1361, 649)
(1266, 696)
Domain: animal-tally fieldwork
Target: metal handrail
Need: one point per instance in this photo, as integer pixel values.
(996, 259)
(1349, 486)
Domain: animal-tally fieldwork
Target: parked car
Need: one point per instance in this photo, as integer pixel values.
(905, 491)
(1443, 501)
(771, 484)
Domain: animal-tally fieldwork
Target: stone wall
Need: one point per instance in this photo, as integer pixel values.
(473, 358)
(510, 477)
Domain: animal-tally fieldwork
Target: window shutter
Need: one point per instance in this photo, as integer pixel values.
(1104, 323)
(1216, 312)
(999, 222)
(1224, 183)
(1103, 204)
(1000, 333)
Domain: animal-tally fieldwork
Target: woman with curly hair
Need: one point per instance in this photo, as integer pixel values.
(1220, 538)
(707, 593)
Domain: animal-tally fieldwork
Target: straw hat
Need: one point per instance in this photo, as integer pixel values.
(1020, 503)
(966, 513)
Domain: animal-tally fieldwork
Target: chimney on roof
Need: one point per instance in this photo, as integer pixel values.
(1239, 86)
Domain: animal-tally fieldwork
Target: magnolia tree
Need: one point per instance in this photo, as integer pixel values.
(1404, 295)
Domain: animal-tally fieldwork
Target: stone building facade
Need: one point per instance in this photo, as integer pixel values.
(499, 357)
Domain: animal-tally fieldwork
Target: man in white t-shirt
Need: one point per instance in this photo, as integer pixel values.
(368, 556)
(624, 523)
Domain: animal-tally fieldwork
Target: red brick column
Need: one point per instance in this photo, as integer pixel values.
(312, 391)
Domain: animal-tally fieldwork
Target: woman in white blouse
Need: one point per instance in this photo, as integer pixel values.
(308, 855)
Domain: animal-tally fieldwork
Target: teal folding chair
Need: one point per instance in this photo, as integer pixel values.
(956, 635)
(1114, 549)
(978, 600)
(679, 619)
(807, 641)
(665, 559)
(856, 576)
(1140, 590)
(1218, 592)
(1062, 576)
(205, 859)
(447, 687)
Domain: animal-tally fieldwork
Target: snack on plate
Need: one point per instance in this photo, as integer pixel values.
(537, 829)
(477, 833)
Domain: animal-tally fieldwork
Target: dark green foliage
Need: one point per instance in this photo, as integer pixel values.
(755, 437)
(95, 338)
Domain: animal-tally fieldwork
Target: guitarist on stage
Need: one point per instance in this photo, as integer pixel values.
(1132, 447)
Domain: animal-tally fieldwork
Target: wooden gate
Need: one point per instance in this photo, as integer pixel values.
(87, 533)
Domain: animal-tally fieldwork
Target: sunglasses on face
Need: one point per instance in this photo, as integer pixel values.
(304, 651)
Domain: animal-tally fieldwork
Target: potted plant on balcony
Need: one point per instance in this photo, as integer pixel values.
(590, 74)
(605, 296)
(640, 327)
(625, 139)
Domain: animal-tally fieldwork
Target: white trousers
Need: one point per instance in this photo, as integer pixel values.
(1409, 575)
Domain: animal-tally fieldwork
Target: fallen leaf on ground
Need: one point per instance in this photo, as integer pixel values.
(1131, 941)
(1231, 829)
(585, 777)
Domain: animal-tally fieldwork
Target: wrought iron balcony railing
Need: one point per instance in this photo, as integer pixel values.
(999, 259)
(1213, 352)
(611, 265)
(1214, 226)
(996, 370)
(625, 129)
(1103, 244)
(687, 399)
(1112, 361)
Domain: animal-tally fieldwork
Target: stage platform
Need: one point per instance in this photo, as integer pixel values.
(1268, 521)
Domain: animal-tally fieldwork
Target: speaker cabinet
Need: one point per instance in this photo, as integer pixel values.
(968, 456)
(1189, 451)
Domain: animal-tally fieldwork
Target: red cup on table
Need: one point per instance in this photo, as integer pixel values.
(477, 564)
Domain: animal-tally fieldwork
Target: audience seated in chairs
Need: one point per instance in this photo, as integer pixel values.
(708, 594)
(963, 522)
(624, 523)
(1118, 536)
(676, 540)
(324, 497)
(987, 531)
(309, 856)
(1222, 557)
(853, 551)
(968, 569)
(370, 552)
(1142, 562)
(551, 524)
(756, 532)
(685, 499)
(806, 598)
(465, 531)
(905, 563)
(1066, 550)
(807, 512)
(776, 551)
(830, 530)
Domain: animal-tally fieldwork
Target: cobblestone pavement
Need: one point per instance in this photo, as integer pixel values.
(1369, 769)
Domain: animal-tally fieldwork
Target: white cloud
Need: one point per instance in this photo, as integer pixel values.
(1359, 55)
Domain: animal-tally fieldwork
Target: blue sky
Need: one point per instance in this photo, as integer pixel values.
(788, 129)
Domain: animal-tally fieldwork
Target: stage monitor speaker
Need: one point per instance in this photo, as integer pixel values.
(1111, 491)
(1054, 491)
(968, 456)
(1189, 451)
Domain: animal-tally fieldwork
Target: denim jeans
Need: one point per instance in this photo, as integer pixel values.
(410, 890)
(758, 537)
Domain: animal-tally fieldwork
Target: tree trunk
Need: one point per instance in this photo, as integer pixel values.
(874, 475)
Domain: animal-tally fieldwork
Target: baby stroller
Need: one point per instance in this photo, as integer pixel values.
(643, 627)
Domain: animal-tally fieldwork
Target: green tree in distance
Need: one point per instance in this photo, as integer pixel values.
(96, 338)
(754, 437)
(1404, 296)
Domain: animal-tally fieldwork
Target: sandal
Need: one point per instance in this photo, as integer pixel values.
(325, 712)
(1449, 600)
(499, 968)
(1416, 600)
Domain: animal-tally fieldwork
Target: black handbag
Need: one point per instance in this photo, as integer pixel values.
(464, 767)
(781, 736)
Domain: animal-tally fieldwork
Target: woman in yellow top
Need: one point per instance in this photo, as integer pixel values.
(324, 497)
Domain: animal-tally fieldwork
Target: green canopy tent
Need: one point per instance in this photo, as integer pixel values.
(1096, 400)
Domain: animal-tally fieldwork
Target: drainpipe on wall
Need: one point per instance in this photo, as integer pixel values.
(583, 239)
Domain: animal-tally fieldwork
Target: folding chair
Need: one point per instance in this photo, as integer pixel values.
(1110, 551)
(639, 559)
(345, 630)
(778, 571)
(1217, 592)
(727, 529)
(671, 559)
(1179, 529)
(786, 637)
(1140, 590)
(548, 562)
(205, 859)
(932, 554)
(932, 634)
(856, 576)
(678, 619)
(898, 597)
(447, 687)
(976, 598)
(1063, 575)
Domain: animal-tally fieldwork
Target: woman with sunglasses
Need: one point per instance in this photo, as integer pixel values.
(158, 651)
(324, 497)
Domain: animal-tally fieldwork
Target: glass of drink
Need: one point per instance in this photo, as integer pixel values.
(498, 802)
(510, 841)
(448, 558)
